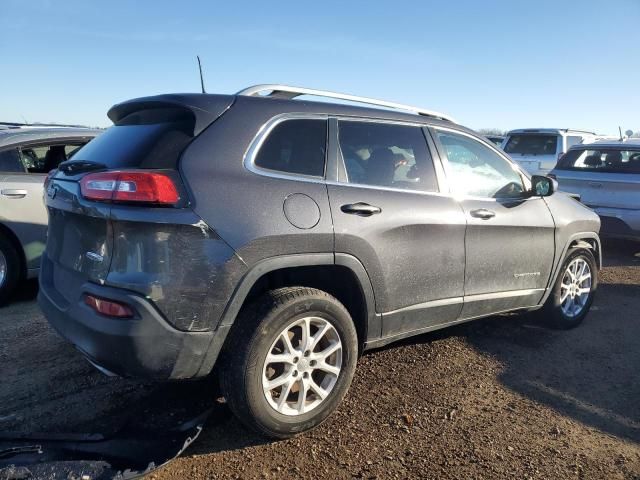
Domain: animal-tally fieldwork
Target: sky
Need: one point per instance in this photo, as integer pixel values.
(490, 64)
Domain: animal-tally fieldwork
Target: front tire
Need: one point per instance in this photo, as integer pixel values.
(289, 361)
(9, 269)
(573, 291)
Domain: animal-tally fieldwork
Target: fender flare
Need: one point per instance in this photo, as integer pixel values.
(580, 236)
(237, 299)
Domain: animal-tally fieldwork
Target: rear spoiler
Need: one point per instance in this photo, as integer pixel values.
(204, 109)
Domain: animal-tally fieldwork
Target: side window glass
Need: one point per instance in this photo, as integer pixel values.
(477, 170)
(386, 155)
(43, 158)
(295, 146)
(10, 161)
(573, 140)
(606, 160)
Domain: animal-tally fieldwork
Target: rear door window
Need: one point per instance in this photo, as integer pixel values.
(296, 146)
(10, 161)
(532, 144)
(386, 155)
(605, 160)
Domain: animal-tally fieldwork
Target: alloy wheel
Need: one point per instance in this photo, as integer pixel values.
(302, 366)
(575, 287)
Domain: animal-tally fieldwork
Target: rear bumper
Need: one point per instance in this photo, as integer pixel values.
(145, 346)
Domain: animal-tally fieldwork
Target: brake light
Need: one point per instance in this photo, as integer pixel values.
(47, 180)
(129, 186)
(108, 307)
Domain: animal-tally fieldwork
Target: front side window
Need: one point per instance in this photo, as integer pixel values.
(478, 171)
(10, 161)
(532, 144)
(386, 155)
(605, 160)
(295, 146)
(44, 158)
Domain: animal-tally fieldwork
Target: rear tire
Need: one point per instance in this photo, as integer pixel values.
(10, 271)
(573, 291)
(279, 380)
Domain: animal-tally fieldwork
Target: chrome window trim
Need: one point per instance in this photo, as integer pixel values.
(261, 136)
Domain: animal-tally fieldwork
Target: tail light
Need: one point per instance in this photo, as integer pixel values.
(130, 186)
(108, 307)
(47, 180)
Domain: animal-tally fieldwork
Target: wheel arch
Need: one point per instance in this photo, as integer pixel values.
(340, 275)
(9, 234)
(589, 240)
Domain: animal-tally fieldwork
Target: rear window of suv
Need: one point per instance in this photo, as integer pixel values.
(152, 138)
(608, 160)
(532, 144)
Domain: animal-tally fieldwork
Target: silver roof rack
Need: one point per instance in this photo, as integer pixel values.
(287, 92)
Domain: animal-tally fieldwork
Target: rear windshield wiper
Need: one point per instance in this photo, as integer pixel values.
(71, 167)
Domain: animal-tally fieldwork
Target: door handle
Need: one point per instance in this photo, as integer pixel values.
(595, 184)
(14, 193)
(361, 209)
(483, 213)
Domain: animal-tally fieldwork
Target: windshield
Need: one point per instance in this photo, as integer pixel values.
(532, 144)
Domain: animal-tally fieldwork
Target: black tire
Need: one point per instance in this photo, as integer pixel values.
(258, 326)
(552, 313)
(13, 271)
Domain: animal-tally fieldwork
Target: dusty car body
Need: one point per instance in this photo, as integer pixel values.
(276, 238)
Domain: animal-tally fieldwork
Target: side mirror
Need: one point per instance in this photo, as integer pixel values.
(542, 186)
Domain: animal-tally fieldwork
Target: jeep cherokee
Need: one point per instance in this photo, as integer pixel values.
(277, 238)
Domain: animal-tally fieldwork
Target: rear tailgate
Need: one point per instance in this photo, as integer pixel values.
(79, 241)
(149, 134)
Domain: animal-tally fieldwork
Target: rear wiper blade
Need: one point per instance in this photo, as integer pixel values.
(77, 166)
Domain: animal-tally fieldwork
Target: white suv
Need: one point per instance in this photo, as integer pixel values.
(538, 149)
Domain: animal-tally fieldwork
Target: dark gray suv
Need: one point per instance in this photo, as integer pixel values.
(277, 238)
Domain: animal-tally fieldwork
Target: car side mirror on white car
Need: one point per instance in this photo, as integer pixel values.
(542, 186)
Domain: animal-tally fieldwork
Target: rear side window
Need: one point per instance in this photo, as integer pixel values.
(295, 146)
(10, 161)
(386, 155)
(606, 160)
(532, 144)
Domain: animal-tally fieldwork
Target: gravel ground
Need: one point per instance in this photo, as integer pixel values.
(495, 398)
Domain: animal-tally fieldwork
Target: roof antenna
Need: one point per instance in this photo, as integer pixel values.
(620, 130)
(200, 68)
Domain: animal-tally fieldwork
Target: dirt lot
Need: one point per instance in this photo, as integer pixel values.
(497, 398)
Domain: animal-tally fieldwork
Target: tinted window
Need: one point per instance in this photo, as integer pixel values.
(387, 155)
(156, 145)
(10, 161)
(608, 160)
(532, 144)
(295, 146)
(477, 170)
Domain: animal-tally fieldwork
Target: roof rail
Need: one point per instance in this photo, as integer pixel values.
(288, 92)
